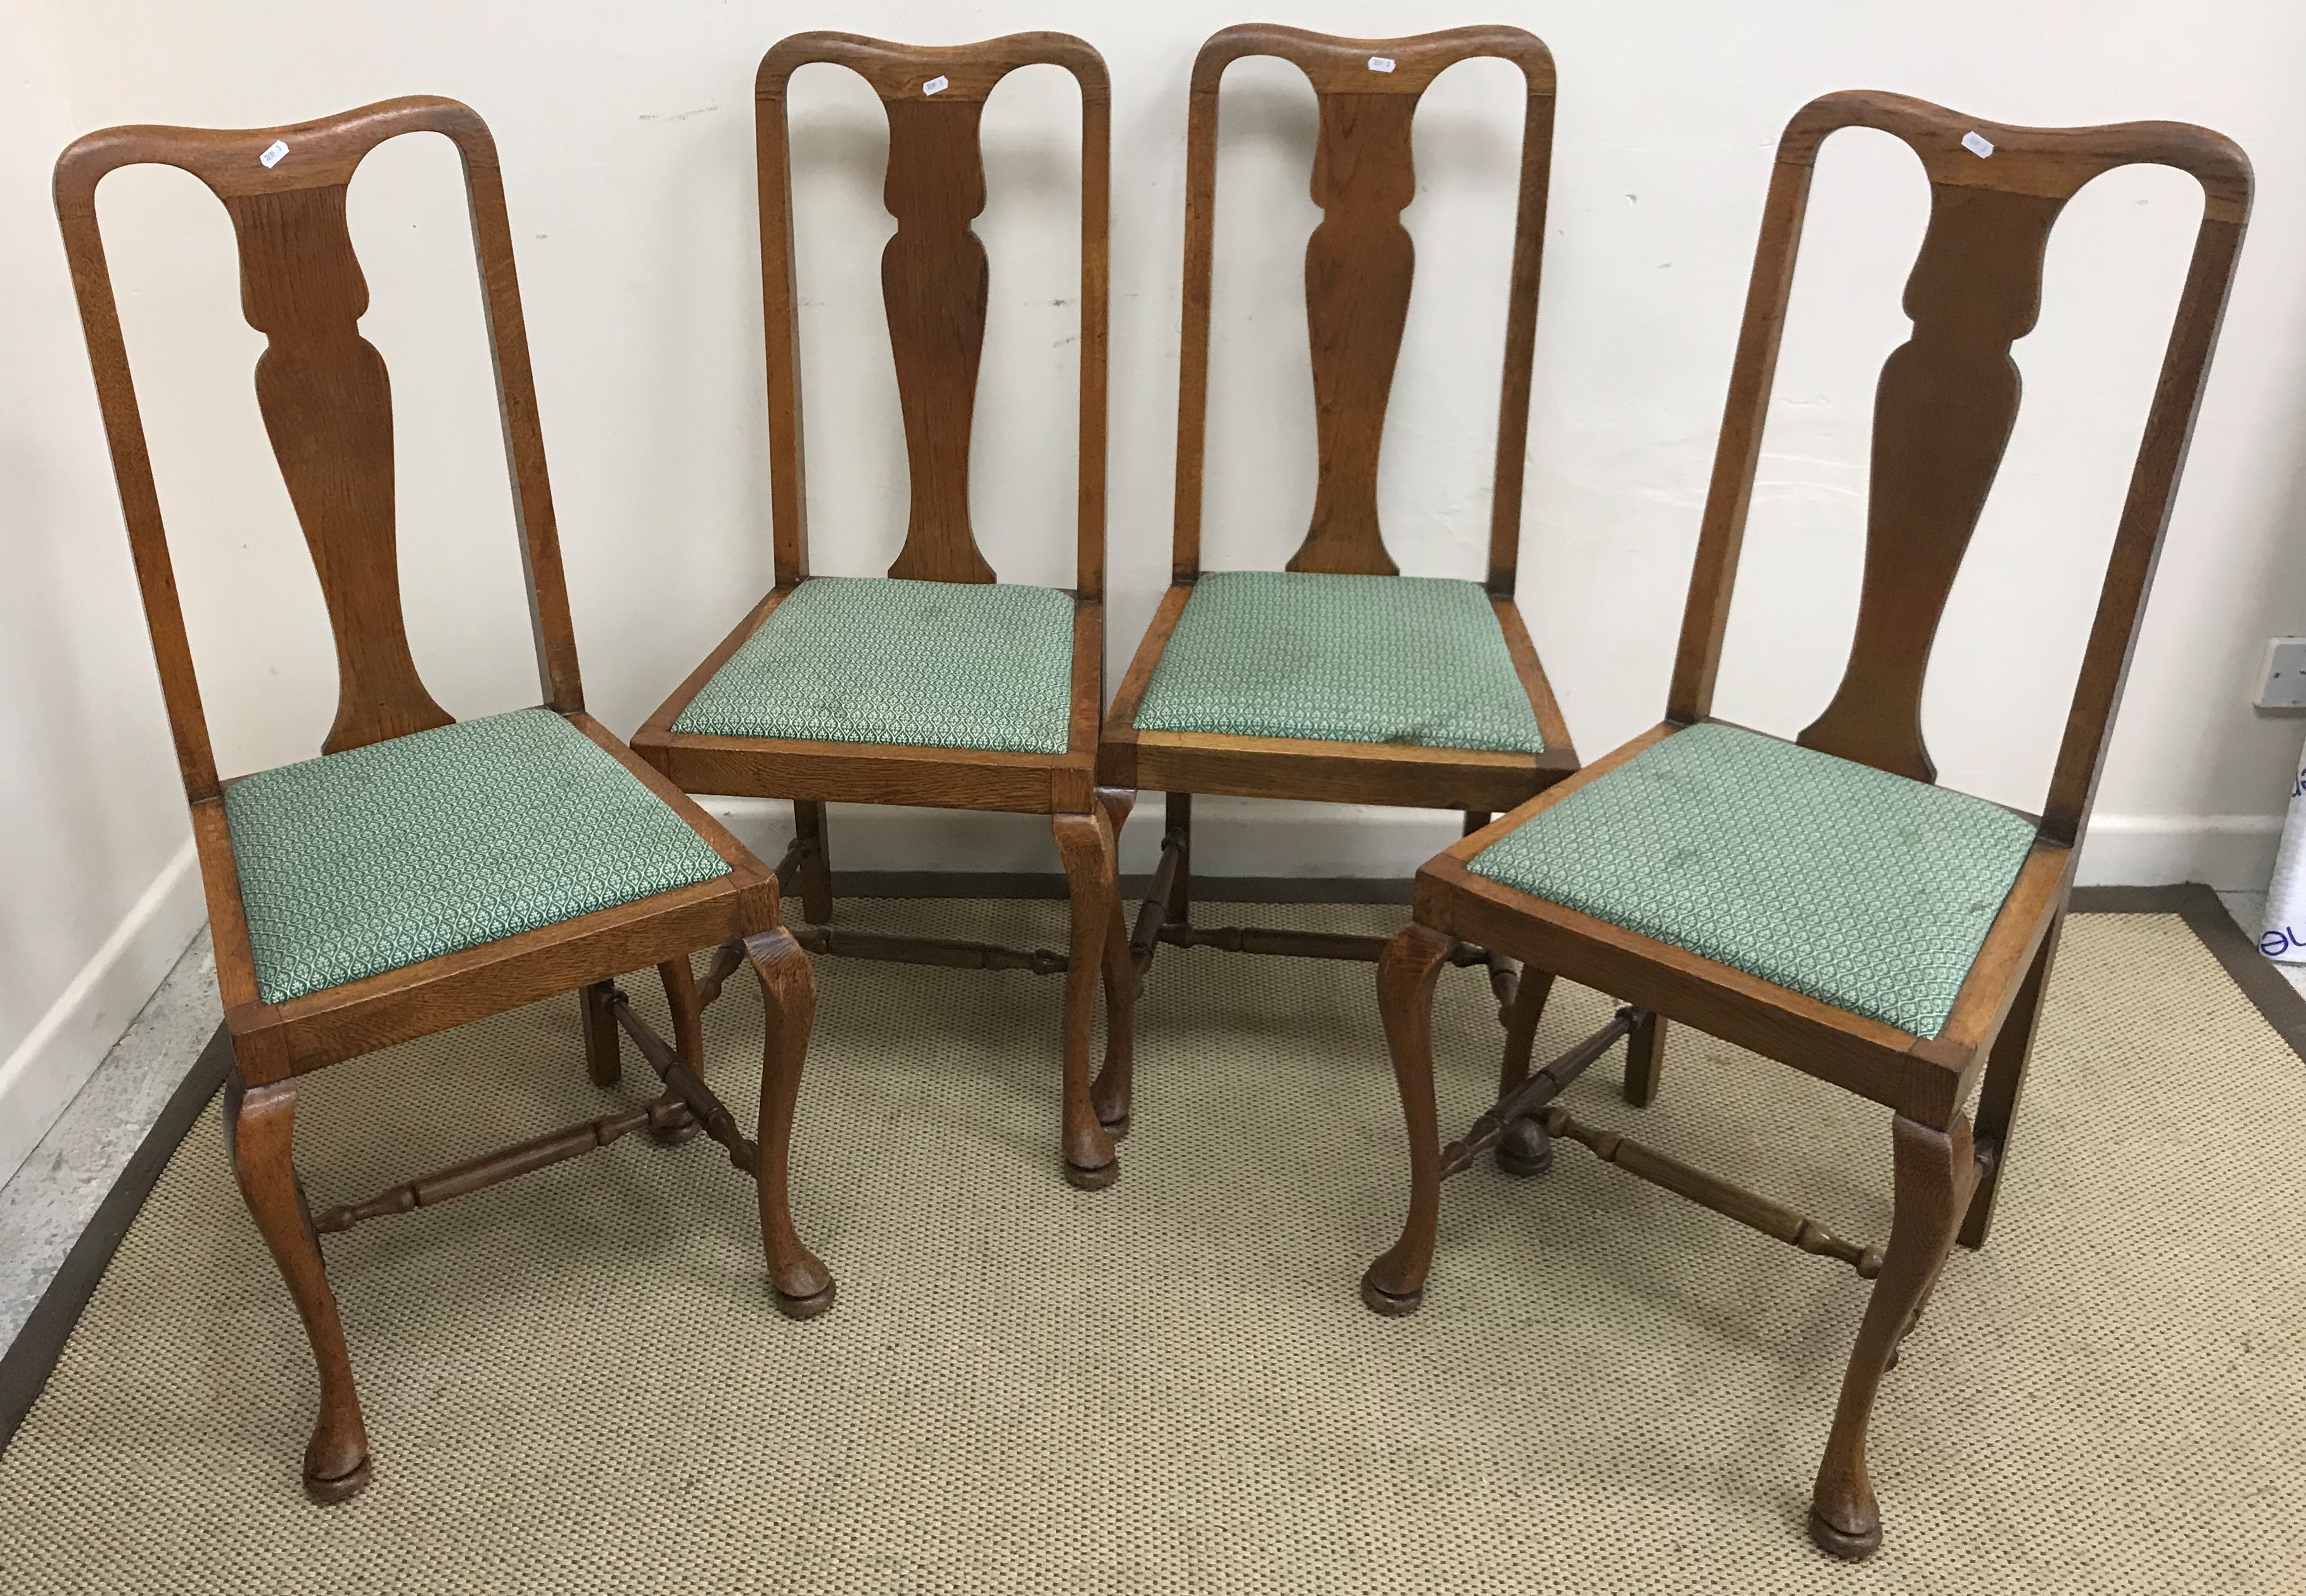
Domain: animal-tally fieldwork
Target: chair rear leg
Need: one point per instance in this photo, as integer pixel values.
(1936, 1171)
(1116, 1081)
(687, 1040)
(602, 1059)
(1526, 1150)
(2006, 1080)
(816, 865)
(1394, 1284)
(1177, 823)
(803, 1286)
(1085, 843)
(259, 1129)
(1644, 1057)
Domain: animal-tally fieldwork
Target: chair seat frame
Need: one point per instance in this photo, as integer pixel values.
(1996, 191)
(326, 401)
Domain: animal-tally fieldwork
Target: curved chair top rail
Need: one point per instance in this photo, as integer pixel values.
(325, 397)
(1335, 65)
(1944, 408)
(934, 283)
(1359, 264)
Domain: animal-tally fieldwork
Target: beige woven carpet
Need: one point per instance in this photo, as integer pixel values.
(575, 1384)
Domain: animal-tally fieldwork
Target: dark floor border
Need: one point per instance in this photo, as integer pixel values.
(27, 1362)
(2272, 997)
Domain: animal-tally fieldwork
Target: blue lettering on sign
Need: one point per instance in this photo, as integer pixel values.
(2274, 943)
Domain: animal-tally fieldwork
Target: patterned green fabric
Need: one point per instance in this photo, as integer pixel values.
(1341, 658)
(880, 660)
(357, 863)
(1862, 889)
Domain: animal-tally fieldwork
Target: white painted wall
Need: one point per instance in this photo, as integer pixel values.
(101, 895)
(626, 132)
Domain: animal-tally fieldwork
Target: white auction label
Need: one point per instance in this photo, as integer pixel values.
(934, 86)
(1380, 64)
(1977, 144)
(272, 154)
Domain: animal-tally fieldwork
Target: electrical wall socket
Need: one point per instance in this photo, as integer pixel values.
(2282, 681)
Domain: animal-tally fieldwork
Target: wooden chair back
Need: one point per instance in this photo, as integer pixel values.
(325, 395)
(1358, 266)
(1943, 412)
(934, 282)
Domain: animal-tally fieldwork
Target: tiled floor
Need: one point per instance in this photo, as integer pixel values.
(47, 1203)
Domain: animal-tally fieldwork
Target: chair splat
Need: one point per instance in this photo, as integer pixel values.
(1359, 264)
(325, 397)
(1942, 415)
(326, 402)
(935, 279)
(1945, 408)
(934, 284)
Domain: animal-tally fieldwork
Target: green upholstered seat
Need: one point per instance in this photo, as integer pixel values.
(880, 660)
(1341, 658)
(353, 864)
(1862, 889)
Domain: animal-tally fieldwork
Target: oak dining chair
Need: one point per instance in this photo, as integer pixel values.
(937, 685)
(1822, 901)
(422, 872)
(1338, 678)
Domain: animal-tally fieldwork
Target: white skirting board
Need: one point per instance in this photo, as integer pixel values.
(1232, 837)
(2233, 853)
(54, 1060)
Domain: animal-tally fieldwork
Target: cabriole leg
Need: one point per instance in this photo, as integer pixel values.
(1085, 843)
(1405, 975)
(259, 1126)
(803, 1286)
(1936, 1171)
(1116, 1082)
